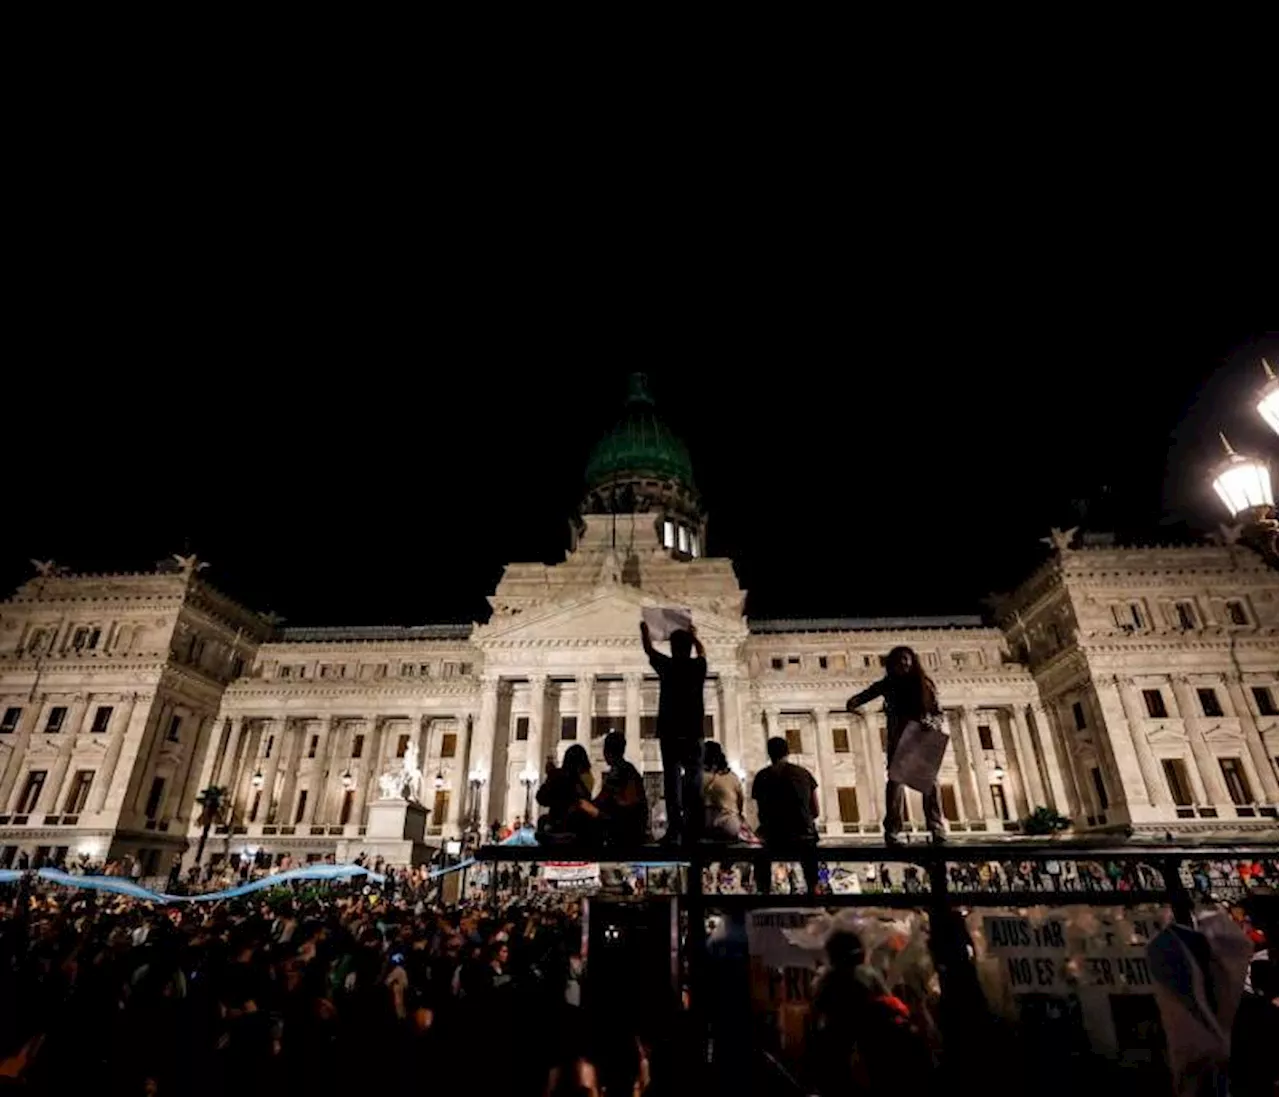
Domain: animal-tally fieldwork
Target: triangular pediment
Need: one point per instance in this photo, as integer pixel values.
(609, 613)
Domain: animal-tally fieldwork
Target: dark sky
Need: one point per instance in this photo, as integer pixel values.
(373, 452)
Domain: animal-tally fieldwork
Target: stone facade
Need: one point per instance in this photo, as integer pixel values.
(1131, 689)
(1125, 687)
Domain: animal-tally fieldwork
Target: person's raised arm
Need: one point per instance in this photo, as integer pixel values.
(697, 644)
(646, 641)
(876, 689)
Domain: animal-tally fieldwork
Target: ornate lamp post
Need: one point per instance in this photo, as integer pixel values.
(257, 780)
(475, 779)
(348, 781)
(528, 778)
(1244, 486)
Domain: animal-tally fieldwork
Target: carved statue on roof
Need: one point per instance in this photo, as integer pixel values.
(1060, 539)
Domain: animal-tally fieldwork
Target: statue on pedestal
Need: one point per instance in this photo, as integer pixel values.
(403, 781)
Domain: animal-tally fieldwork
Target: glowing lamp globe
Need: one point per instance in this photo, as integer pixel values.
(1242, 483)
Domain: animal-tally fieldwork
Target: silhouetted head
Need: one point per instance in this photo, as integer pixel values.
(777, 747)
(844, 949)
(903, 666)
(615, 746)
(900, 662)
(713, 759)
(576, 760)
(681, 643)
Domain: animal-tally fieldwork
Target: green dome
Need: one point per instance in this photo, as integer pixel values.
(640, 444)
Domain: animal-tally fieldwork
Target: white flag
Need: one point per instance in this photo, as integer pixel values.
(664, 620)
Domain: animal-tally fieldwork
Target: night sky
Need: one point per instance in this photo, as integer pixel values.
(892, 380)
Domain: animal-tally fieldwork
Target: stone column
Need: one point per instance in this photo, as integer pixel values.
(981, 775)
(1021, 804)
(48, 801)
(870, 768)
(1057, 765)
(110, 756)
(211, 760)
(365, 772)
(459, 789)
(22, 740)
(150, 754)
(271, 768)
(227, 770)
(483, 737)
(1131, 774)
(633, 719)
(1152, 776)
(317, 807)
(586, 687)
(1027, 760)
(240, 790)
(965, 777)
(1266, 789)
(828, 802)
(535, 750)
(132, 736)
(205, 734)
(1206, 763)
(293, 743)
(731, 718)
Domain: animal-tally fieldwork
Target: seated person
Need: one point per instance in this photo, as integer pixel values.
(566, 794)
(721, 795)
(622, 803)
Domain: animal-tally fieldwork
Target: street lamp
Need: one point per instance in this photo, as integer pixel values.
(528, 778)
(257, 780)
(1244, 486)
(438, 782)
(475, 779)
(735, 767)
(1269, 398)
(998, 773)
(348, 781)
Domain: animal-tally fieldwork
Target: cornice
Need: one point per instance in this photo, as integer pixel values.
(288, 689)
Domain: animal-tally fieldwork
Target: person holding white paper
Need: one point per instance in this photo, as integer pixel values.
(680, 712)
(909, 694)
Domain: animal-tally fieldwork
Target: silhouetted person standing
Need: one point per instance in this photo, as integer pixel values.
(682, 677)
(909, 694)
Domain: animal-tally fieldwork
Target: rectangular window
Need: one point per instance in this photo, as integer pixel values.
(708, 726)
(301, 809)
(648, 727)
(568, 727)
(1209, 702)
(464, 669)
(348, 802)
(1262, 697)
(793, 662)
(175, 725)
(775, 663)
(78, 794)
(1135, 614)
(822, 662)
(313, 746)
(985, 739)
(602, 725)
(1099, 786)
(253, 808)
(847, 798)
(153, 798)
(1236, 613)
(522, 729)
(1175, 776)
(325, 668)
(1186, 615)
(440, 809)
(950, 810)
(13, 714)
(380, 671)
(57, 715)
(448, 744)
(1120, 615)
(101, 720)
(424, 670)
(840, 740)
(1001, 804)
(271, 742)
(682, 539)
(668, 534)
(285, 671)
(1077, 713)
(406, 670)
(402, 746)
(1237, 783)
(357, 746)
(795, 742)
(1155, 704)
(31, 791)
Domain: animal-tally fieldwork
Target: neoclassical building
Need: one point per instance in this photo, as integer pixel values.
(1131, 689)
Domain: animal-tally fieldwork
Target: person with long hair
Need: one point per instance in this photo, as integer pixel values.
(909, 694)
(566, 794)
(721, 795)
